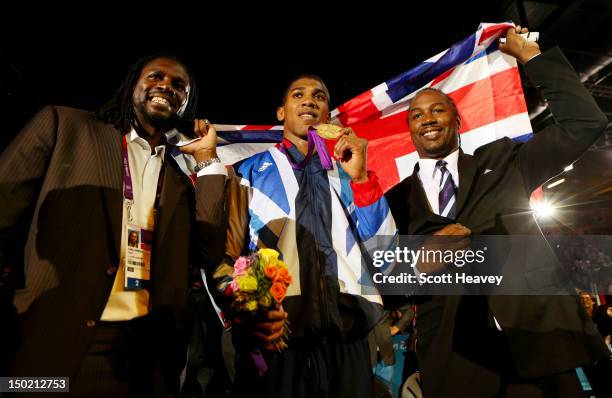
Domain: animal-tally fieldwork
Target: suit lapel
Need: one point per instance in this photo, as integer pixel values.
(422, 219)
(107, 150)
(172, 189)
(467, 172)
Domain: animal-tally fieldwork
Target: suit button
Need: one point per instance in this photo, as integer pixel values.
(90, 323)
(110, 271)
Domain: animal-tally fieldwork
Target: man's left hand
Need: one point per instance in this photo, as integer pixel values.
(351, 151)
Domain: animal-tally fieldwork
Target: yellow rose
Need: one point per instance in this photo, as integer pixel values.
(265, 301)
(247, 283)
(251, 305)
(268, 256)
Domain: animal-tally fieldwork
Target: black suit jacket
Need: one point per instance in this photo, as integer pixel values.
(546, 334)
(61, 189)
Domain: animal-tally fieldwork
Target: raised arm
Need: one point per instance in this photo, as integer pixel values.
(578, 119)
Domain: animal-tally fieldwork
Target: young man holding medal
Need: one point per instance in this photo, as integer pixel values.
(317, 212)
(96, 305)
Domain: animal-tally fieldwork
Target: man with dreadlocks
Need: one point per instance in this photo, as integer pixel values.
(74, 186)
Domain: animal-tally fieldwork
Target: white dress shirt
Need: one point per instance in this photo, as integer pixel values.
(122, 304)
(430, 176)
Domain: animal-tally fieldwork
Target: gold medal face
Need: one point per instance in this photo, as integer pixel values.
(328, 131)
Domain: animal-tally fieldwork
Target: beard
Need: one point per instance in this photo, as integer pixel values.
(159, 120)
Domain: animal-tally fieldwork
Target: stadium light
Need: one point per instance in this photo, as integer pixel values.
(554, 184)
(543, 210)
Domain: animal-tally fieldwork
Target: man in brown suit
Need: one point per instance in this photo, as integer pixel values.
(71, 184)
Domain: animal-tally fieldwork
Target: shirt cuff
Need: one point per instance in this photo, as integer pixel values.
(213, 169)
(368, 192)
(532, 57)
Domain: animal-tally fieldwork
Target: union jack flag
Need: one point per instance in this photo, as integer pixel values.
(484, 83)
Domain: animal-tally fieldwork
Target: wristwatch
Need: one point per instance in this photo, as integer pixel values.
(206, 163)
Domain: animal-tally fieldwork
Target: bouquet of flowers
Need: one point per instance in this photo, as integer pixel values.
(259, 283)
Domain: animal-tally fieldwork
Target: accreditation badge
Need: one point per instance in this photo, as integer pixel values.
(138, 257)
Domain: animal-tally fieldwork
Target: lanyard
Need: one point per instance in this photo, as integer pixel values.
(313, 141)
(128, 190)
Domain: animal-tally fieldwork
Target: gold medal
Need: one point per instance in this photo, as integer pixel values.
(328, 131)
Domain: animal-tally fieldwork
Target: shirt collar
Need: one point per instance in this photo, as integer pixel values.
(427, 167)
(133, 137)
(292, 150)
(174, 138)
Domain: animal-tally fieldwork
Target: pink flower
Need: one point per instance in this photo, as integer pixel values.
(234, 285)
(241, 266)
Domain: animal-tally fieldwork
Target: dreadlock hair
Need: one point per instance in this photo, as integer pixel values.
(304, 76)
(119, 111)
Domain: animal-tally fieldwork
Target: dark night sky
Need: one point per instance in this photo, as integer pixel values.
(241, 63)
(243, 56)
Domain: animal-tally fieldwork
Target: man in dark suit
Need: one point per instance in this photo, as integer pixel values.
(72, 185)
(500, 344)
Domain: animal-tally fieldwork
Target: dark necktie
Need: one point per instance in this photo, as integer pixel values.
(448, 192)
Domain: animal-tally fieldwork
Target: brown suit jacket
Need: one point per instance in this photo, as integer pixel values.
(61, 184)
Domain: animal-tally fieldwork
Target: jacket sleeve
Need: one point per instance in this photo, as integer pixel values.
(210, 217)
(231, 237)
(578, 120)
(23, 166)
(372, 214)
(373, 221)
